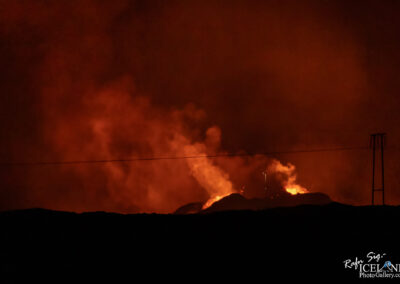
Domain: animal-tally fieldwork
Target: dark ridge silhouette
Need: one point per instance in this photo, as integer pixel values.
(190, 208)
(237, 201)
(303, 242)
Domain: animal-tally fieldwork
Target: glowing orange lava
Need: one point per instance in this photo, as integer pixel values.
(289, 171)
(211, 201)
(296, 189)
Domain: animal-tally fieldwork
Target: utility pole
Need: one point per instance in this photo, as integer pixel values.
(378, 140)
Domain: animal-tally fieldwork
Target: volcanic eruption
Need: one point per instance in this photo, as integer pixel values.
(280, 190)
(178, 94)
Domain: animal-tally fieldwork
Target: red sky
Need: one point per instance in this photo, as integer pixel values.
(114, 79)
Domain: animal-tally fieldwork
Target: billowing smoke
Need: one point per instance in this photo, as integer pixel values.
(99, 80)
(116, 123)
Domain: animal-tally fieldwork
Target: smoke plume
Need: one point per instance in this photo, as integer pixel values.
(100, 80)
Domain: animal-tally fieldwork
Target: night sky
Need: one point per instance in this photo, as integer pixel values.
(92, 80)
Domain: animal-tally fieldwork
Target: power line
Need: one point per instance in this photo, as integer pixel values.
(138, 159)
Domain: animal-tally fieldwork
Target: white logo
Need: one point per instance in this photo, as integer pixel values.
(374, 265)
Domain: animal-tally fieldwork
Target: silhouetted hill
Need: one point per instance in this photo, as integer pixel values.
(190, 208)
(239, 202)
(303, 242)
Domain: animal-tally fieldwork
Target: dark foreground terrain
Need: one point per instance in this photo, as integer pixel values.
(303, 242)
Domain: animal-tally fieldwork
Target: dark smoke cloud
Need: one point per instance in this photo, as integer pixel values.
(271, 75)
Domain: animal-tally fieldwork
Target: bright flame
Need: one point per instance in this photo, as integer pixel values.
(212, 200)
(208, 175)
(288, 171)
(296, 190)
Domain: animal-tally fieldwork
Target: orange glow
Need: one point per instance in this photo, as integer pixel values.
(296, 189)
(211, 177)
(212, 200)
(288, 178)
(112, 80)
